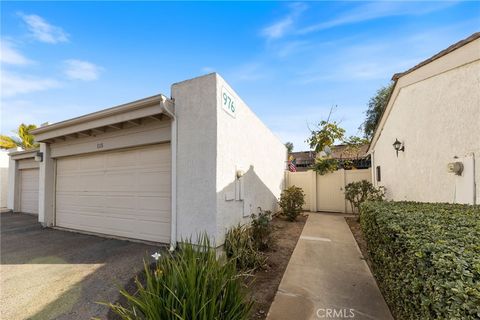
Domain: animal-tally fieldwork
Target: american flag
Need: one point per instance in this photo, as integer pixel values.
(292, 164)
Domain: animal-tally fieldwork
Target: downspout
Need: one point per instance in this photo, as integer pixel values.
(171, 113)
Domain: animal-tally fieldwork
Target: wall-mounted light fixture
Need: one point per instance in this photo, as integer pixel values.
(455, 167)
(398, 146)
(39, 156)
(239, 174)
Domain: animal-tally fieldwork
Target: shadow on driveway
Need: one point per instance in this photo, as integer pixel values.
(53, 274)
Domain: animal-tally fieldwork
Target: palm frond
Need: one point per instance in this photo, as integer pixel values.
(7, 142)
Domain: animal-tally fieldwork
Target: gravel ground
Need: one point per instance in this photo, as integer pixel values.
(53, 274)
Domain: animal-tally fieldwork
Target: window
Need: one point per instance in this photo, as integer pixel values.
(379, 174)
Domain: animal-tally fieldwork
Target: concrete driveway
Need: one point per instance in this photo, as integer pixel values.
(52, 274)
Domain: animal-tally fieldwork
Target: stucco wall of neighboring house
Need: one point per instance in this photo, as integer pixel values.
(436, 114)
(244, 144)
(195, 110)
(4, 160)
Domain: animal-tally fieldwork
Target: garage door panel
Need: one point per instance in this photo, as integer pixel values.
(154, 181)
(127, 193)
(152, 156)
(29, 190)
(77, 215)
(151, 230)
(144, 202)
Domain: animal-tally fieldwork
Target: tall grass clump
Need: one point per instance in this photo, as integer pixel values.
(189, 284)
(240, 248)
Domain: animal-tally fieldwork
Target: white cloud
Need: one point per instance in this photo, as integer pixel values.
(13, 84)
(248, 72)
(81, 70)
(278, 29)
(37, 112)
(42, 30)
(292, 124)
(281, 27)
(10, 55)
(378, 59)
(377, 10)
(207, 70)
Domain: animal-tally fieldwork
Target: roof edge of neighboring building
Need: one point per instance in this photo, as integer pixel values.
(397, 76)
(29, 153)
(101, 113)
(446, 51)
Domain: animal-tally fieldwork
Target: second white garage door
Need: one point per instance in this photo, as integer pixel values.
(123, 193)
(29, 190)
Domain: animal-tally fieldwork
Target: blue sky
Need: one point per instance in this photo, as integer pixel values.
(289, 61)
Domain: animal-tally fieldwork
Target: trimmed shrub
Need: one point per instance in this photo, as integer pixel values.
(261, 229)
(426, 257)
(292, 200)
(190, 284)
(240, 248)
(358, 192)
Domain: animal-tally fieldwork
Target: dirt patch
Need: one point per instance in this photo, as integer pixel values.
(266, 282)
(354, 224)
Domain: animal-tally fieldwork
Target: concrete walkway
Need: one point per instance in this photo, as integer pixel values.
(327, 277)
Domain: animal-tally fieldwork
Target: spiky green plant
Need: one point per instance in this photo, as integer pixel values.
(189, 284)
(240, 248)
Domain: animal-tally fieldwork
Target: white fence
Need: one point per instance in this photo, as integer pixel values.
(326, 193)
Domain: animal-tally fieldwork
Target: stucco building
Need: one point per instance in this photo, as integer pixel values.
(433, 115)
(157, 169)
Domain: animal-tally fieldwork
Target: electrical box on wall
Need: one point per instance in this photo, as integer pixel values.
(464, 170)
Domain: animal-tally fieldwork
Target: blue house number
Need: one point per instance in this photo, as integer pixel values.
(229, 104)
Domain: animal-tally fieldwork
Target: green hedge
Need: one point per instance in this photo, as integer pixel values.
(426, 257)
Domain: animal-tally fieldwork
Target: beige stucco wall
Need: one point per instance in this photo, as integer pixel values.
(244, 143)
(195, 105)
(212, 147)
(436, 114)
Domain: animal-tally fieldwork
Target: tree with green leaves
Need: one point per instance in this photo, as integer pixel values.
(353, 145)
(376, 105)
(326, 133)
(22, 138)
(289, 146)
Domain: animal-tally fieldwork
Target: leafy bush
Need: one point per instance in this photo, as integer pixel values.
(292, 200)
(191, 284)
(241, 249)
(426, 257)
(325, 165)
(261, 229)
(360, 191)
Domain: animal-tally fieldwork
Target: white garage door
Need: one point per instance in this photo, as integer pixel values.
(123, 193)
(29, 190)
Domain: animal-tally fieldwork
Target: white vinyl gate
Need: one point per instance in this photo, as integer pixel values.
(326, 192)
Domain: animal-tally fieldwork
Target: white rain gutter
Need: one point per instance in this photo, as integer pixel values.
(163, 104)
